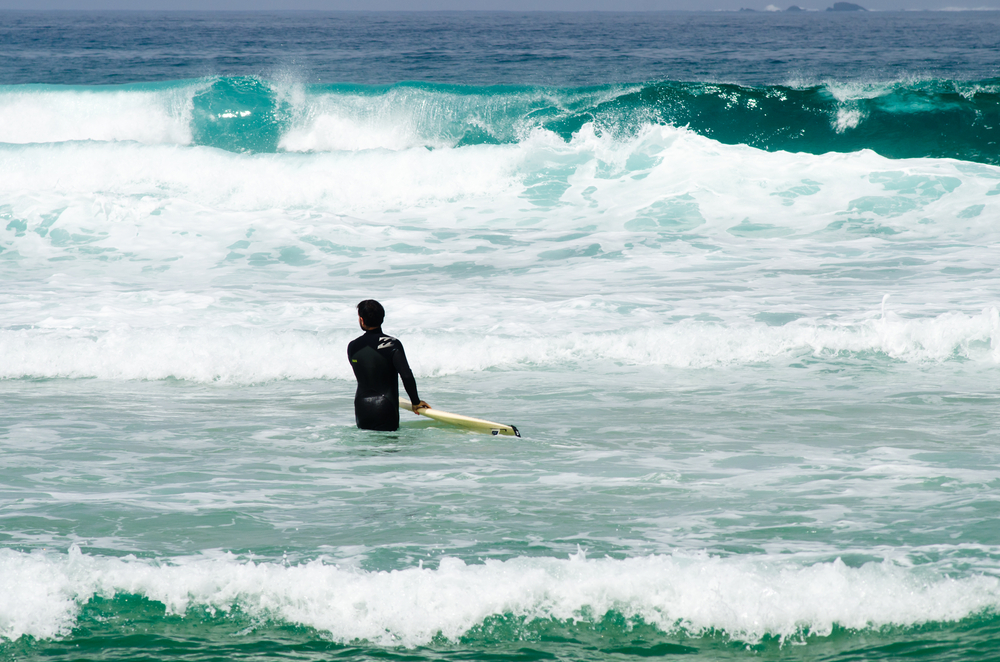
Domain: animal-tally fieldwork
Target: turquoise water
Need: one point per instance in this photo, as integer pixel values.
(749, 332)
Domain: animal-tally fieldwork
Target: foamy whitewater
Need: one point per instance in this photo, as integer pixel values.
(750, 333)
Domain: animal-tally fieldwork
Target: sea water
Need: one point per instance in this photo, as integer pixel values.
(734, 276)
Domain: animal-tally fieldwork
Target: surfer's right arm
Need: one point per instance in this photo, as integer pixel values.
(406, 375)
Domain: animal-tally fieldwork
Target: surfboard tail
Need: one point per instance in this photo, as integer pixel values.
(467, 422)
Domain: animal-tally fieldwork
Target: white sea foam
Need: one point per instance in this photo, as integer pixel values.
(400, 119)
(746, 597)
(854, 90)
(847, 119)
(330, 132)
(93, 175)
(405, 117)
(610, 179)
(240, 354)
(32, 115)
(695, 238)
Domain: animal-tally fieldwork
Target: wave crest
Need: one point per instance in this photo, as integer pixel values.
(747, 598)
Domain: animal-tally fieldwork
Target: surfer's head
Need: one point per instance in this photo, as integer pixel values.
(371, 314)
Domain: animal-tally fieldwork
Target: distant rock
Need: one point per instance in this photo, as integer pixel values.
(746, 9)
(795, 8)
(845, 6)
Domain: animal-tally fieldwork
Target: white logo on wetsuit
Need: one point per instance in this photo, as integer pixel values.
(385, 341)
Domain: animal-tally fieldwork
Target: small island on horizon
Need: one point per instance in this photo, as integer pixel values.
(837, 6)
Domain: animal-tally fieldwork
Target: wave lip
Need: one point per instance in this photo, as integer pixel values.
(747, 598)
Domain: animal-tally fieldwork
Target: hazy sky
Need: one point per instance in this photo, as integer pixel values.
(510, 5)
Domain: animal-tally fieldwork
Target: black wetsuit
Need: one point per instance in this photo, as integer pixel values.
(377, 359)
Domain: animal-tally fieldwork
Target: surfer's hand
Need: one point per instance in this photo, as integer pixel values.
(420, 405)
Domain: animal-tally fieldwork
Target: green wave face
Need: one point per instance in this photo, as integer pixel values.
(231, 633)
(238, 115)
(939, 119)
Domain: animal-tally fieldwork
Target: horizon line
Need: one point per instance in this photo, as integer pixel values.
(741, 10)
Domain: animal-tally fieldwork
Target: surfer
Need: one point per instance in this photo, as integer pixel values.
(376, 359)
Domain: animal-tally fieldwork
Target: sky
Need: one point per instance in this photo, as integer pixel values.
(492, 5)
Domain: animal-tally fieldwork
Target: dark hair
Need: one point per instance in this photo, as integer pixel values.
(372, 312)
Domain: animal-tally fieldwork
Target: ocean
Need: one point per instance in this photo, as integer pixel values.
(734, 276)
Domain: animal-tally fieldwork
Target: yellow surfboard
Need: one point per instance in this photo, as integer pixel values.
(477, 424)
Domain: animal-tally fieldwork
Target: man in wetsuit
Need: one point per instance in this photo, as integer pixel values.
(377, 359)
